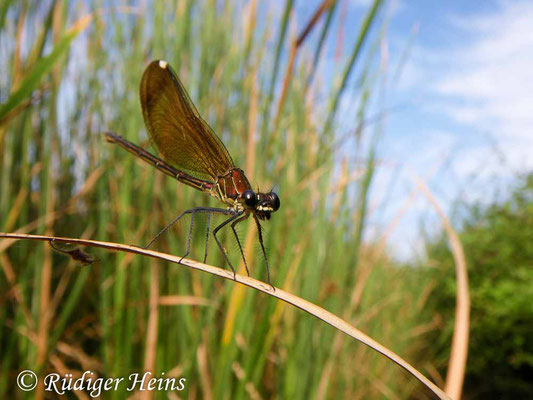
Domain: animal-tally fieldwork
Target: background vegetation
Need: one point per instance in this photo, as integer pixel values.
(71, 71)
(497, 241)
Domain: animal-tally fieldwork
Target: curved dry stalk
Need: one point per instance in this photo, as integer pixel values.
(459, 349)
(280, 294)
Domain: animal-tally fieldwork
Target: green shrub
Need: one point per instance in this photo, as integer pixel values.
(498, 243)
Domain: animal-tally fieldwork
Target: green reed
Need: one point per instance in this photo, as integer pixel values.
(124, 313)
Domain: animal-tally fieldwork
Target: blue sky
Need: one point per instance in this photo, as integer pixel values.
(461, 111)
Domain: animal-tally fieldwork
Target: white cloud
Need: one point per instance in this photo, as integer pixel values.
(489, 81)
(468, 122)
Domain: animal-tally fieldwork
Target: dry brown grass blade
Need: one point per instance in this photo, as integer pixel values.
(292, 57)
(280, 294)
(17, 63)
(459, 350)
(203, 367)
(252, 122)
(153, 320)
(171, 300)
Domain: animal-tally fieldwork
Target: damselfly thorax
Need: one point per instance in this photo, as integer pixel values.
(234, 189)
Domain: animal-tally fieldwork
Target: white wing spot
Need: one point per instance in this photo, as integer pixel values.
(163, 64)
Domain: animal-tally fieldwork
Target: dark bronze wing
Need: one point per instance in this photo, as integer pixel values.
(182, 137)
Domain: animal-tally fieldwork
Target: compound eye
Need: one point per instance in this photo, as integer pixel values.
(250, 199)
(275, 201)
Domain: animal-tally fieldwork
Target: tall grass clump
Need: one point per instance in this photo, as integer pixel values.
(70, 72)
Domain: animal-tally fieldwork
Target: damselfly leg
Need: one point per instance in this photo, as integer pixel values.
(235, 218)
(239, 242)
(192, 211)
(260, 236)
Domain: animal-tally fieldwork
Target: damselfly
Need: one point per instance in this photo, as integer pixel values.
(192, 153)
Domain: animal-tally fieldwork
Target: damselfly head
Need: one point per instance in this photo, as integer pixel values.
(262, 204)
